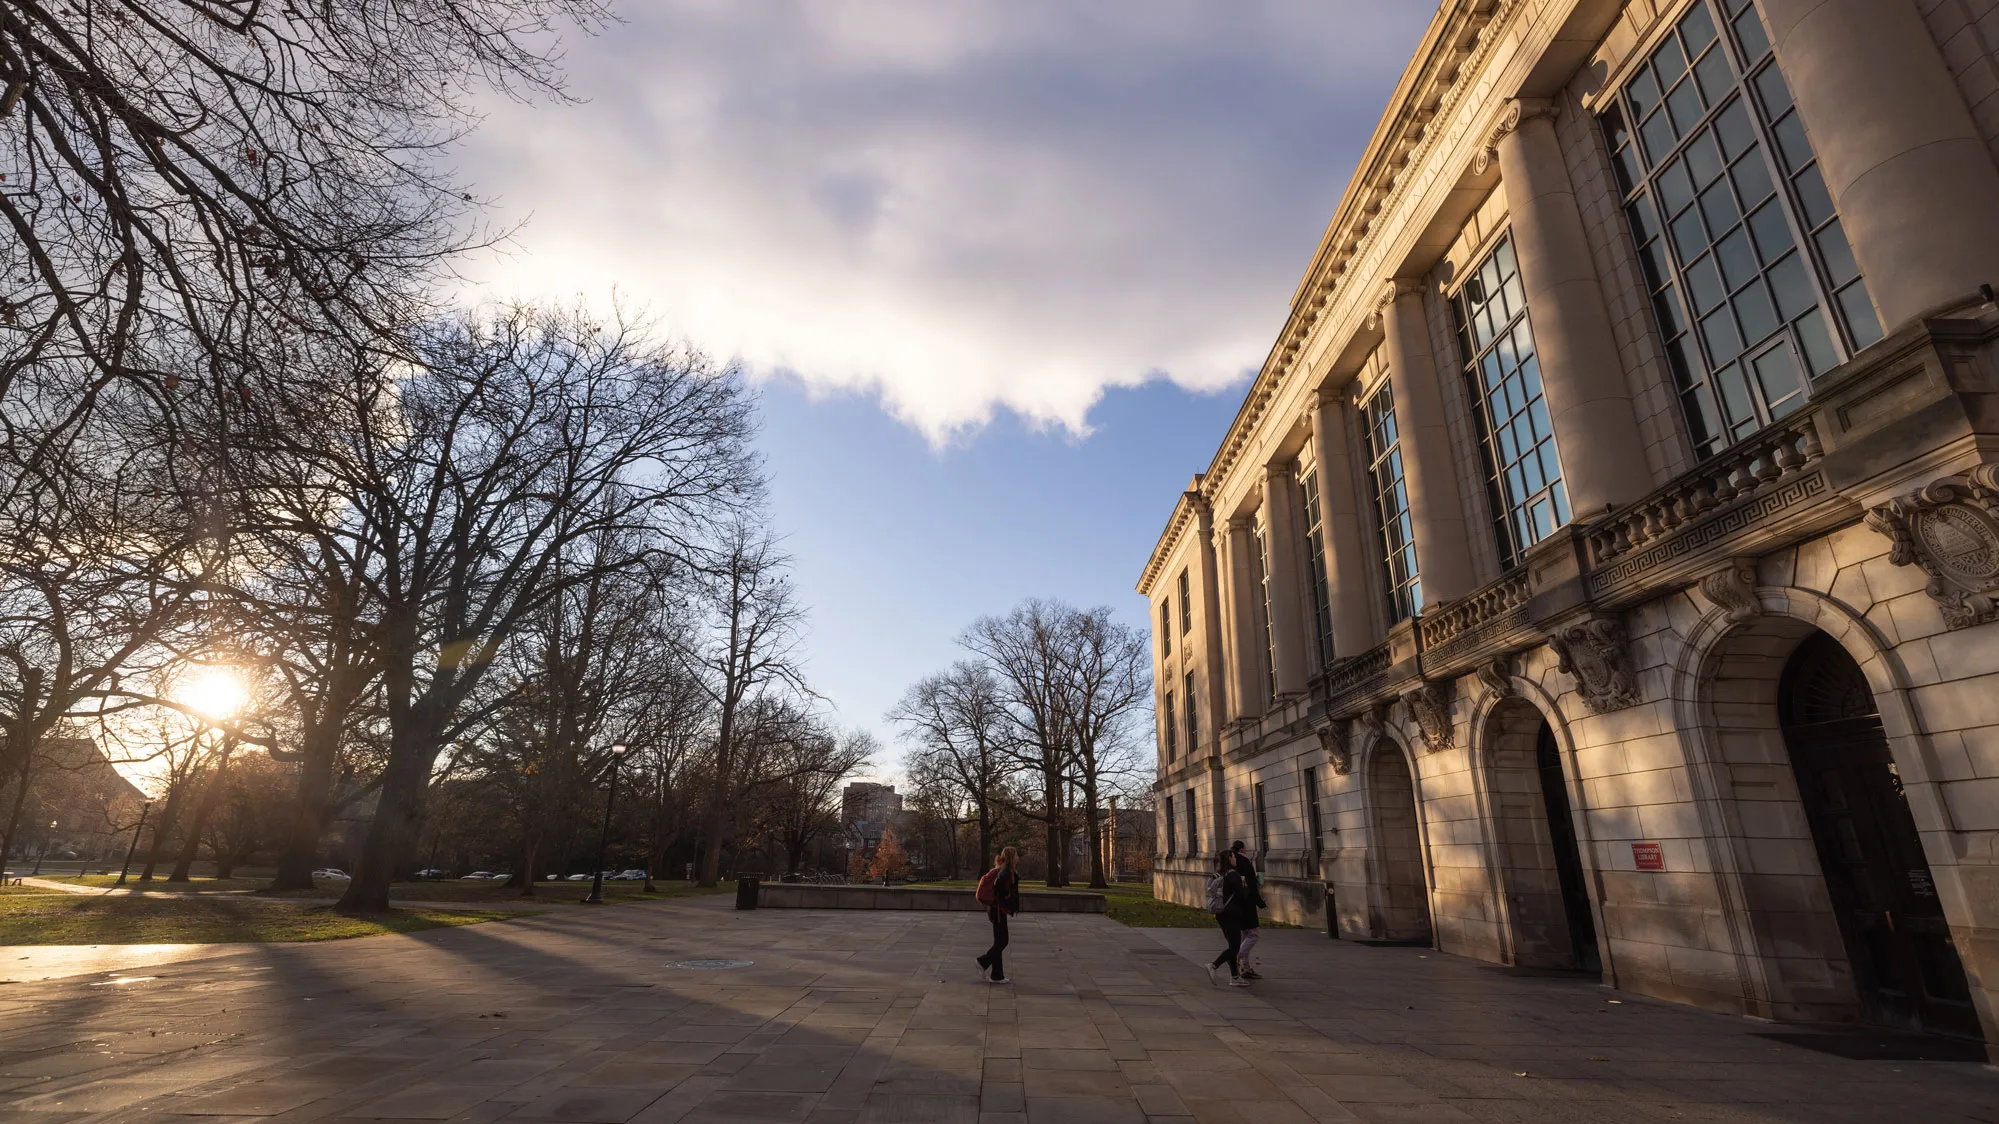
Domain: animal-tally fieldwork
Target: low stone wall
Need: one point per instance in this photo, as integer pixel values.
(782, 895)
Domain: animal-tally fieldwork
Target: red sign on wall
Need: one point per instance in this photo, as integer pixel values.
(1648, 856)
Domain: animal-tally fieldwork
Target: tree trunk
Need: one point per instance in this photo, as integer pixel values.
(1093, 818)
(985, 839)
(163, 830)
(14, 816)
(300, 856)
(211, 794)
(530, 858)
(392, 831)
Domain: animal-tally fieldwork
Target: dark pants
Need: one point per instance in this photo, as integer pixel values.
(1234, 933)
(991, 959)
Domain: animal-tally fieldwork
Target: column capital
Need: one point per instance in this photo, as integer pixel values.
(1518, 112)
(1393, 289)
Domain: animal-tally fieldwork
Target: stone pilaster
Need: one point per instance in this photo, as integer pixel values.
(1347, 553)
(1287, 614)
(1246, 641)
(1212, 707)
(1581, 372)
(1443, 554)
(1894, 141)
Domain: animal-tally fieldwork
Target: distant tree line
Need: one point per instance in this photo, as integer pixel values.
(448, 557)
(1026, 740)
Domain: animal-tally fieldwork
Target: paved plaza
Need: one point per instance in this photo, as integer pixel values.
(594, 1018)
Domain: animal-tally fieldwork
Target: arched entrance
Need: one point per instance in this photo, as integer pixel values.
(1905, 967)
(1540, 864)
(1402, 901)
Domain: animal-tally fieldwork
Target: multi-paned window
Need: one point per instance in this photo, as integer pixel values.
(1312, 821)
(1193, 826)
(1391, 504)
(1193, 716)
(1262, 552)
(1186, 605)
(1172, 738)
(1503, 374)
(1172, 829)
(1262, 822)
(1753, 284)
(1315, 566)
(1166, 628)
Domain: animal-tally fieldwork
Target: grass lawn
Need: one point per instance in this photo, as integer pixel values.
(1128, 903)
(554, 893)
(29, 916)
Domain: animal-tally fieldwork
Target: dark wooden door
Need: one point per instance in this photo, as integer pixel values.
(1568, 857)
(1904, 961)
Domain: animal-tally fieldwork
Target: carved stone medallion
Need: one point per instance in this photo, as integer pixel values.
(1951, 529)
(1733, 587)
(1333, 739)
(1430, 706)
(1593, 653)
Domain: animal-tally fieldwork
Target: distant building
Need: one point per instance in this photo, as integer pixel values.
(867, 810)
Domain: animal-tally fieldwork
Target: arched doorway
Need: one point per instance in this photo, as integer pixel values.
(1905, 967)
(1540, 864)
(1402, 903)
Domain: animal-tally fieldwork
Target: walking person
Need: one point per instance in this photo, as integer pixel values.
(999, 892)
(1229, 903)
(1252, 930)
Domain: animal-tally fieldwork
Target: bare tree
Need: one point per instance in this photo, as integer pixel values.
(477, 477)
(803, 773)
(1105, 672)
(958, 727)
(747, 654)
(1022, 649)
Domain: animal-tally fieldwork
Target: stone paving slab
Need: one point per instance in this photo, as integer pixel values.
(845, 1017)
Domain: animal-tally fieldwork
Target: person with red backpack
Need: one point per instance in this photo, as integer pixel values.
(999, 892)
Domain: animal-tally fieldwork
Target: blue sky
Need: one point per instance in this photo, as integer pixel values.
(1000, 267)
(901, 544)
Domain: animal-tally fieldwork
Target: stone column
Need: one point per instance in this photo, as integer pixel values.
(1582, 375)
(1914, 185)
(1287, 612)
(1443, 554)
(1246, 682)
(1213, 708)
(1348, 556)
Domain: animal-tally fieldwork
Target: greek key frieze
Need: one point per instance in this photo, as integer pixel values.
(1728, 523)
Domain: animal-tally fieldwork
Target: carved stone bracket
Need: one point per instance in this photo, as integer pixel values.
(1333, 739)
(1430, 706)
(1496, 676)
(1951, 529)
(1733, 587)
(1593, 652)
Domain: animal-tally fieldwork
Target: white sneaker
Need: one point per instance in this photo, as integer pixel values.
(1238, 981)
(1211, 975)
(1002, 980)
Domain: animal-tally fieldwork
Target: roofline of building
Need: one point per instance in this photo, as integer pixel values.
(1453, 43)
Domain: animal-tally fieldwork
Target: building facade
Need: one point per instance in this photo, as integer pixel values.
(1601, 570)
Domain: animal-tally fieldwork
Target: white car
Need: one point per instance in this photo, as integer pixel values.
(477, 876)
(332, 872)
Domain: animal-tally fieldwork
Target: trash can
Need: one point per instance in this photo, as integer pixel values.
(1332, 915)
(746, 891)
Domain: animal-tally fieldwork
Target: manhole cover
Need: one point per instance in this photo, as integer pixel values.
(709, 965)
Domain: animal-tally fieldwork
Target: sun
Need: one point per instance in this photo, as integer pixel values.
(213, 692)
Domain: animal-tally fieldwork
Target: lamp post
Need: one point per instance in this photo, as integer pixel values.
(129, 851)
(604, 840)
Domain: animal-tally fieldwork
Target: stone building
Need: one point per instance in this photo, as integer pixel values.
(1601, 569)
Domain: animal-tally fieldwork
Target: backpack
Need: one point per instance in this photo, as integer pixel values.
(988, 891)
(1216, 902)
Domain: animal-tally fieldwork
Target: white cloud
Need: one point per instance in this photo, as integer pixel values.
(958, 205)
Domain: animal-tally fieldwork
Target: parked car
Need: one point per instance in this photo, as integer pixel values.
(477, 876)
(433, 872)
(332, 872)
(628, 876)
(579, 878)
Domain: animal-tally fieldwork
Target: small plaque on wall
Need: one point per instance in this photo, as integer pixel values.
(1648, 856)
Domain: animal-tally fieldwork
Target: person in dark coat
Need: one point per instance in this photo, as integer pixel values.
(1006, 903)
(1235, 911)
(1252, 931)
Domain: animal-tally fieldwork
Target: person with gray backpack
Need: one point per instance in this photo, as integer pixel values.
(1234, 910)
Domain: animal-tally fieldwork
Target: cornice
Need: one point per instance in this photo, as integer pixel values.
(1190, 504)
(1455, 48)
